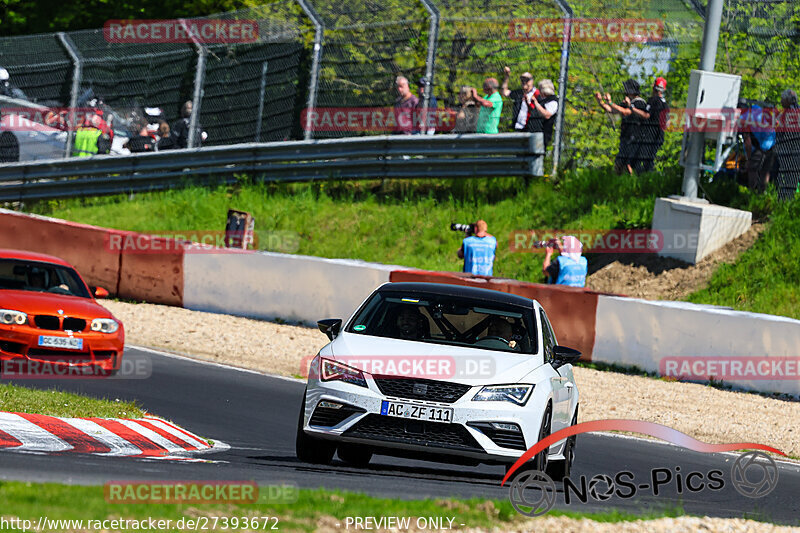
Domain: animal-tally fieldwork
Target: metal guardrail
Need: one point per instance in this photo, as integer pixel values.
(388, 156)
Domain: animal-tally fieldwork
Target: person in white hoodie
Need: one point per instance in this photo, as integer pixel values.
(570, 267)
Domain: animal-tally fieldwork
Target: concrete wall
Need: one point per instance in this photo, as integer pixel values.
(272, 285)
(643, 333)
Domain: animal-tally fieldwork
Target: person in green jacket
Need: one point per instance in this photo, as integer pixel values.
(491, 106)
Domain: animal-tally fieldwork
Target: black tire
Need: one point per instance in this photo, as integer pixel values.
(9, 148)
(558, 470)
(354, 454)
(307, 448)
(540, 461)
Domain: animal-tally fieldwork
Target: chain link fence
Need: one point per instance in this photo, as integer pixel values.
(323, 54)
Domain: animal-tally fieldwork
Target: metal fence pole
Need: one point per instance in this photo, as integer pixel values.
(433, 38)
(77, 73)
(264, 68)
(199, 81)
(319, 28)
(562, 82)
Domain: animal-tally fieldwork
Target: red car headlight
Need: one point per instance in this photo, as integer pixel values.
(334, 371)
(11, 317)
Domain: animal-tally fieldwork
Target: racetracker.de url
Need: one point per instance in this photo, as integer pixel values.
(199, 523)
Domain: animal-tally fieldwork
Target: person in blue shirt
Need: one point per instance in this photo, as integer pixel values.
(478, 251)
(570, 266)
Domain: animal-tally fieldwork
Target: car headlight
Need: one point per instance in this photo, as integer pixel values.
(11, 317)
(334, 371)
(517, 394)
(105, 325)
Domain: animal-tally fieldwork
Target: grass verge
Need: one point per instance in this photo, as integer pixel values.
(310, 510)
(51, 402)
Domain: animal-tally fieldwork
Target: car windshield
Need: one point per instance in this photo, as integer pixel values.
(37, 276)
(448, 320)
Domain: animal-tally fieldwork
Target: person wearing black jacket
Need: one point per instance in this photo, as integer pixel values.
(180, 130)
(630, 130)
(534, 109)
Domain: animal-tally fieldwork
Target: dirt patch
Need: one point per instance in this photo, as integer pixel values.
(661, 278)
(705, 413)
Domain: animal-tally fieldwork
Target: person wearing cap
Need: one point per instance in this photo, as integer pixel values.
(570, 267)
(652, 129)
(426, 117)
(630, 130)
(535, 108)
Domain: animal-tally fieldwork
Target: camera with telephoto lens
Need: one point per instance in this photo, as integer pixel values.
(544, 244)
(469, 229)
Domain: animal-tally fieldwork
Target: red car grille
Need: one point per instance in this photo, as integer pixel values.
(55, 323)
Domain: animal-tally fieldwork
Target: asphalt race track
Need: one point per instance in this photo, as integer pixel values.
(257, 415)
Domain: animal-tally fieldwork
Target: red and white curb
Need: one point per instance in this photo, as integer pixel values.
(148, 437)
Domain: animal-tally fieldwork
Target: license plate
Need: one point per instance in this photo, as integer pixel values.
(416, 412)
(70, 343)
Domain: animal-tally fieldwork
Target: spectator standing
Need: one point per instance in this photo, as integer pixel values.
(478, 251)
(534, 109)
(404, 106)
(165, 139)
(426, 117)
(180, 129)
(93, 136)
(467, 116)
(787, 147)
(630, 130)
(759, 139)
(142, 141)
(491, 107)
(570, 267)
(652, 128)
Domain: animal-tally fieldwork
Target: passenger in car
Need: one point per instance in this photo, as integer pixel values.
(411, 324)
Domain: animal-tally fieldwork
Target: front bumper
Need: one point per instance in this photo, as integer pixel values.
(20, 351)
(470, 436)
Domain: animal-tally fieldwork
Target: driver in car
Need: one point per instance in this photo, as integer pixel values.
(500, 328)
(410, 323)
(36, 279)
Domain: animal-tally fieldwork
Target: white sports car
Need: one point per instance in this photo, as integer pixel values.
(440, 372)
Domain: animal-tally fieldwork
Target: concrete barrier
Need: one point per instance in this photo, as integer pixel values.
(645, 334)
(154, 271)
(273, 285)
(81, 245)
(571, 310)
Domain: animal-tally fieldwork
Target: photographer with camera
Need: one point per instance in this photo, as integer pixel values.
(478, 248)
(570, 267)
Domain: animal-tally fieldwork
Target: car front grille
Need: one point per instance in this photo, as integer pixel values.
(502, 437)
(329, 417)
(47, 322)
(421, 389)
(43, 353)
(421, 433)
(74, 324)
(55, 323)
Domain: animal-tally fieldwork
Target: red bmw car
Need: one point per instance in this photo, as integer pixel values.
(50, 321)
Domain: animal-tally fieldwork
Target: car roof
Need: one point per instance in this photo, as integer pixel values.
(445, 289)
(32, 256)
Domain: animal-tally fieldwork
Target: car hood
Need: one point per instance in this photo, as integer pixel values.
(402, 358)
(41, 303)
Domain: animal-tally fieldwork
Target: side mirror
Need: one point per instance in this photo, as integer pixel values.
(563, 356)
(99, 292)
(330, 326)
